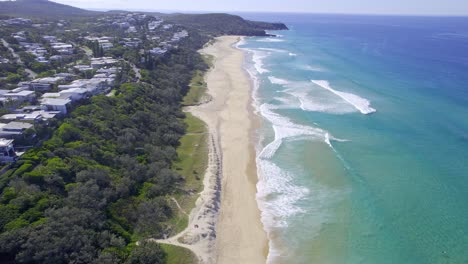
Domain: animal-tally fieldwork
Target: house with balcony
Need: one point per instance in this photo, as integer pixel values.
(7, 151)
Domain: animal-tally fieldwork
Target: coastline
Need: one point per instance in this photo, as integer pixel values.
(239, 232)
(225, 226)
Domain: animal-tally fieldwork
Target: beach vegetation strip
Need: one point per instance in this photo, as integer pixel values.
(178, 255)
(191, 164)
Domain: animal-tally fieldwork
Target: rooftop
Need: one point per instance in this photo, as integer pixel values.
(17, 126)
(5, 142)
(55, 101)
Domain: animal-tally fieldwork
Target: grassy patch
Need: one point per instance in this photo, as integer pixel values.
(178, 255)
(112, 93)
(208, 59)
(197, 90)
(197, 93)
(192, 164)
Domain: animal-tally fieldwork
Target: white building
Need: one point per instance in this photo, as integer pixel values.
(54, 104)
(23, 96)
(74, 94)
(97, 63)
(7, 151)
(44, 84)
(13, 129)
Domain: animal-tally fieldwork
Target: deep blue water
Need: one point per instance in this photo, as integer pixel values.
(340, 183)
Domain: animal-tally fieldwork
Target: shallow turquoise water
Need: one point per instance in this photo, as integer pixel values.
(341, 183)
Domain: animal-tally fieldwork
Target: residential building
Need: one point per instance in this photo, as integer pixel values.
(7, 151)
(29, 117)
(68, 77)
(97, 63)
(83, 68)
(62, 48)
(14, 129)
(44, 84)
(74, 94)
(18, 21)
(54, 104)
(35, 116)
(50, 38)
(23, 96)
(157, 51)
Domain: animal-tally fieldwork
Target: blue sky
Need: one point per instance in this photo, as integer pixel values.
(423, 7)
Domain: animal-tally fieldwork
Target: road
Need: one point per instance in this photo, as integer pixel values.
(16, 56)
(136, 70)
(30, 73)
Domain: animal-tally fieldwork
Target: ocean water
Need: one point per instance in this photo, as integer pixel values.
(363, 150)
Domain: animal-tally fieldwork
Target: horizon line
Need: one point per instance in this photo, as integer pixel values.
(276, 12)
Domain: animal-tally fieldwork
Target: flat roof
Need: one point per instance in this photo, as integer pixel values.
(17, 126)
(5, 142)
(22, 93)
(74, 90)
(55, 101)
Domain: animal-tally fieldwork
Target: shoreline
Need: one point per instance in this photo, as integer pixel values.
(240, 234)
(225, 225)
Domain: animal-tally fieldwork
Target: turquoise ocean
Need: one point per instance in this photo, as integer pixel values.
(363, 149)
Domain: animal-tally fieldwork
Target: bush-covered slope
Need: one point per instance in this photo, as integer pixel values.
(224, 24)
(40, 8)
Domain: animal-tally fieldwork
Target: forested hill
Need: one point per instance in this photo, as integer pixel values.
(40, 8)
(210, 24)
(224, 24)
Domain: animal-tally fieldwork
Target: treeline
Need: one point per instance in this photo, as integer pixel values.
(101, 182)
(96, 48)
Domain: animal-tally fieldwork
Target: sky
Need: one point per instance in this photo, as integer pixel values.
(404, 7)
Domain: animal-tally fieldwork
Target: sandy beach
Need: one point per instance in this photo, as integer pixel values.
(225, 225)
(240, 234)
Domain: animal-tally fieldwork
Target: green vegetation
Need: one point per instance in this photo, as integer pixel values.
(178, 255)
(104, 179)
(40, 8)
(197, 91)
(224, 24)
(121, 168)
(191, 164)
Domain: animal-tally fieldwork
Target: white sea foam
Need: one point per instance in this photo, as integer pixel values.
(317, 100)
(361, 104)
(270, 40)
(277, 195)
(279, 81)
(292, 54)
(257, 58)
(314, 68)
(285, 128)
(241, 42)
(274, 50)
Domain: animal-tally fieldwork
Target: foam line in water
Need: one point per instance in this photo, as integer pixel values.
(313, 68)
(285, 128)
(279, 81)
(257, 58)
(277, 194)
(270, 40)
(313, 99)
(241, 42)
(274, 50)
(361, 104)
